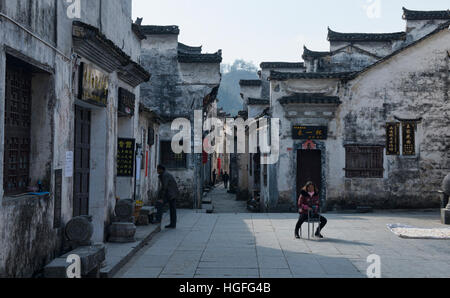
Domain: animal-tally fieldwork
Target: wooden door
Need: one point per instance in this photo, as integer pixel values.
(309, 168)
(82, 156)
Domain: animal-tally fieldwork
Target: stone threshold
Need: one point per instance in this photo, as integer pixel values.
(119, 254)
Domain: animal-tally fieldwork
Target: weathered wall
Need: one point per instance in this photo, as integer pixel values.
(29, 239)
(26, 226)
(149, 183)
(412, 85)
(417, 29)
(379, 49)
(159, 55)
(177, 90)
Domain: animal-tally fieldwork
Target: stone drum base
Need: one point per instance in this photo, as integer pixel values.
(122, 232)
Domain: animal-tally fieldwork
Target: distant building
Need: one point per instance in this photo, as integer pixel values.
(184, 80)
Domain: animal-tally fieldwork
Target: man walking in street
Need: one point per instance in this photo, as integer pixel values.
(214, 176)
(226, 179)
(168, 194)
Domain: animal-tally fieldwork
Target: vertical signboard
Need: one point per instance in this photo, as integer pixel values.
(393, 139)
(409, 138)
(125, 157)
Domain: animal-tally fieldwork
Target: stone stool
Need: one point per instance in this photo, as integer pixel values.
(123, 229)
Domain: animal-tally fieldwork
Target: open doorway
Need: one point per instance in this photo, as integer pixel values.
(309, 168)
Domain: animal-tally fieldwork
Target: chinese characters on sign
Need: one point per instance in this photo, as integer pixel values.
(125, 157)
(310, 132)
(409, 138)
(127, 102)
(393, 139)
(93, 85)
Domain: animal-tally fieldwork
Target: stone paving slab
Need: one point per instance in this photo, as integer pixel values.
(227, 273)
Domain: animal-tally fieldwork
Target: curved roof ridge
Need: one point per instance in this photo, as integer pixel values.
(426, 14)
(339, 36)
(189, 49)
(265, 65)
(316, 54)
(159, 30)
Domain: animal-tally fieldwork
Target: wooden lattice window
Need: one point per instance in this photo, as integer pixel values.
(364, 161)
(17, 130)
(171, 160)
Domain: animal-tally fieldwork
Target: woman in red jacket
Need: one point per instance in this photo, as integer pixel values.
(309, 202)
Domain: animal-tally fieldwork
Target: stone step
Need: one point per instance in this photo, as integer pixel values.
(207, 200)
(118, 254)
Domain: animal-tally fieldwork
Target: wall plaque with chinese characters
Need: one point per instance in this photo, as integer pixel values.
(127, 102)
(125, 157)
(393, 139)
(409, 138)
(309, 132)
(93, 85)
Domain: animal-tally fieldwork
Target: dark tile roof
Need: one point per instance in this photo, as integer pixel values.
(255, 83)
(89, 42)
(243, 114)
(313, 54)
(283, 76)
(426, 15)
(188, 49)
(294, 65)
(200, 58)
(353, 37)
(309, 98)
(159, 30)
(258, 101)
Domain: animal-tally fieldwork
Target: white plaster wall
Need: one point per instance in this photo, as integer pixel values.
(251, 92)
(417, 29)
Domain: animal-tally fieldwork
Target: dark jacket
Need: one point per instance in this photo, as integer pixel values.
(169, 188)
(306, 202)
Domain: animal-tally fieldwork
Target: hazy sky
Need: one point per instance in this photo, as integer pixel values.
(263, 30)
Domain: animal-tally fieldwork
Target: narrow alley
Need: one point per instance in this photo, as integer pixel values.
(225, 202)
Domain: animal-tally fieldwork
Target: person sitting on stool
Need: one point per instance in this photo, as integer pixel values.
(309, 206)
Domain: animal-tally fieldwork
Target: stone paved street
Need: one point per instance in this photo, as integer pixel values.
(246, 245)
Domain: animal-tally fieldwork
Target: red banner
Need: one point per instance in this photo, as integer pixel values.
(205, 157)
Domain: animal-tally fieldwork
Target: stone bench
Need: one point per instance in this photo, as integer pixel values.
(91, 257)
